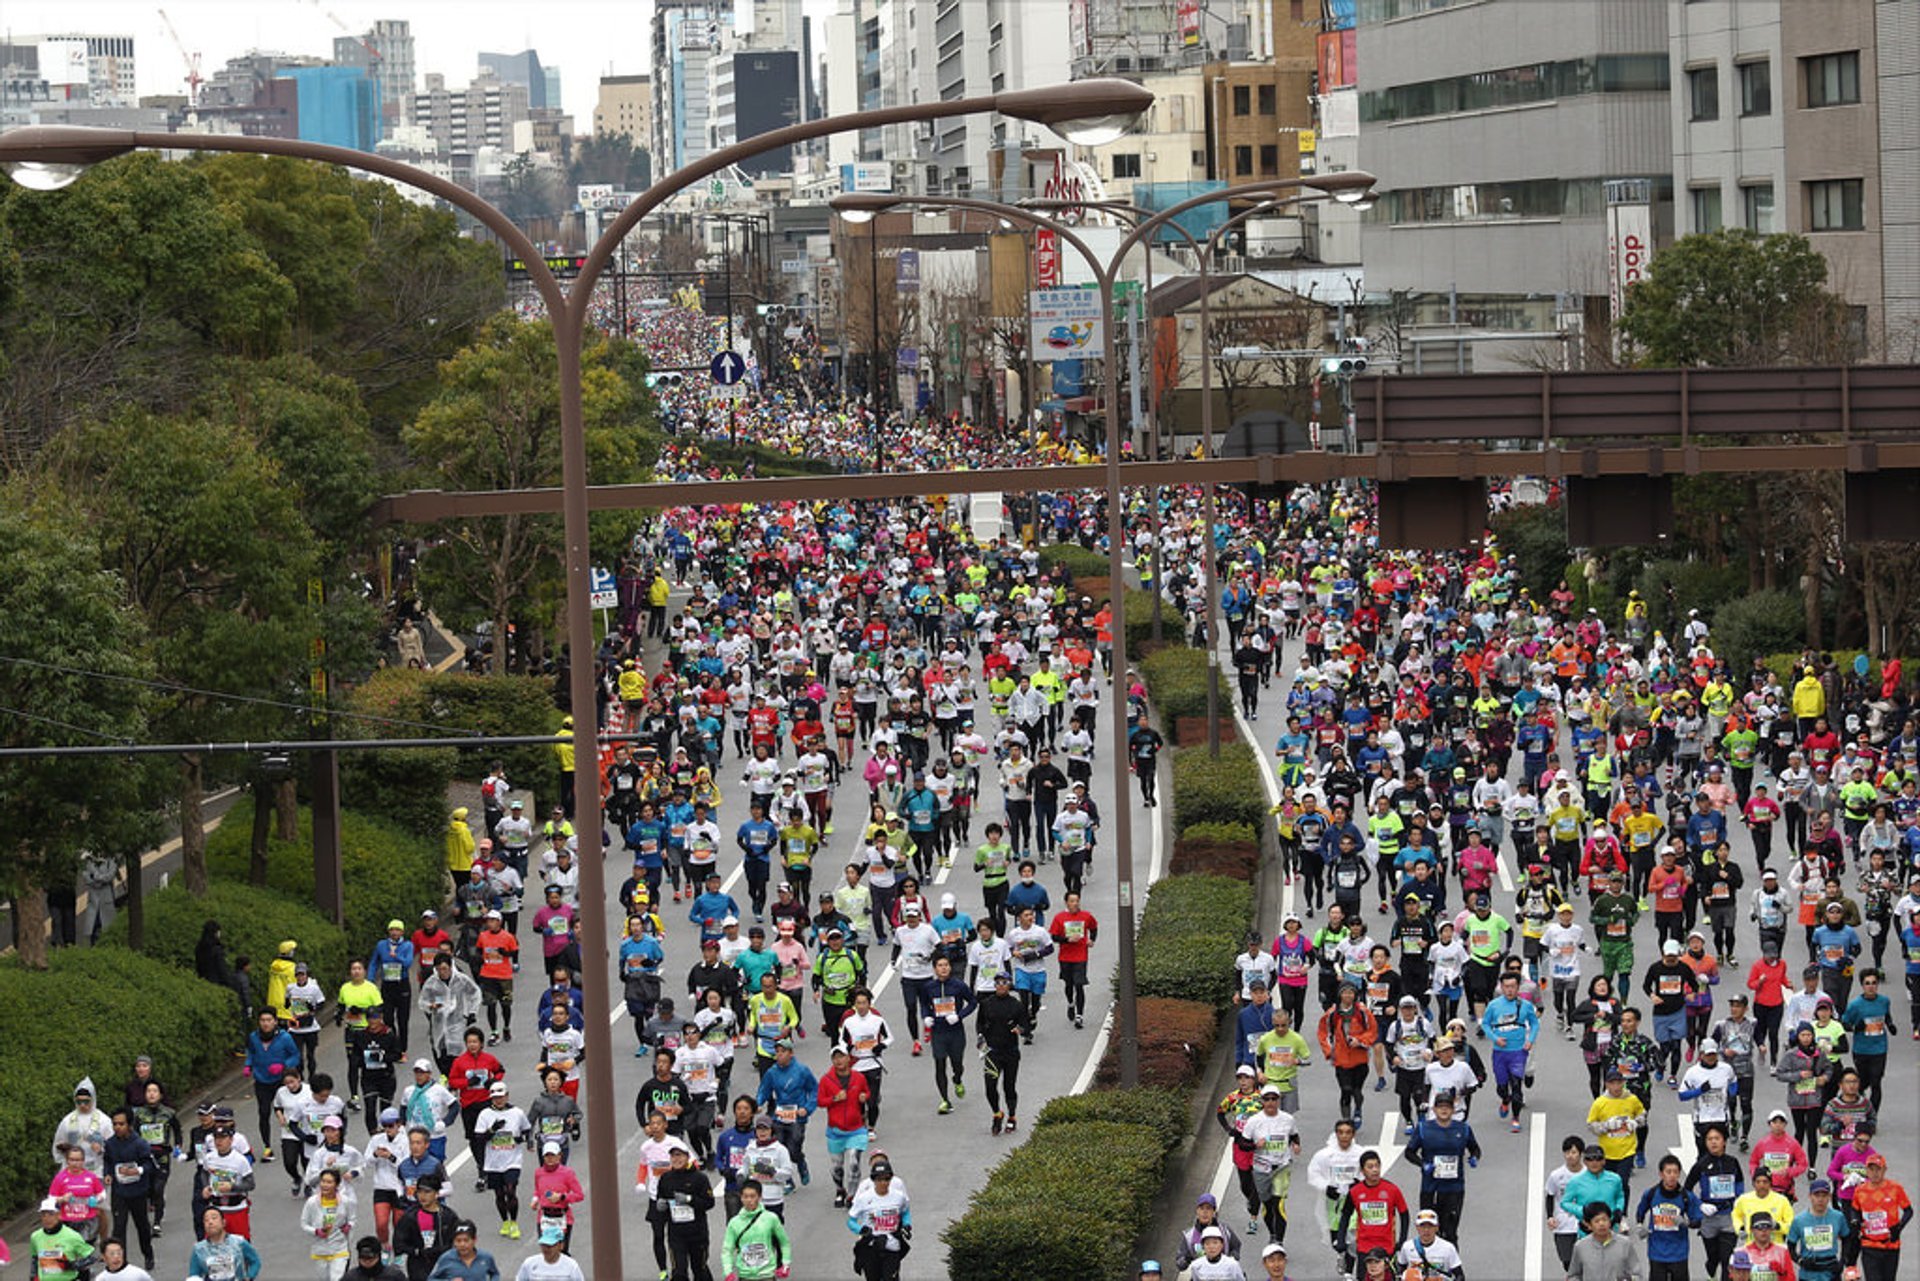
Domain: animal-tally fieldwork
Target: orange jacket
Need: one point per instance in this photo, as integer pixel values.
(1346, 1035)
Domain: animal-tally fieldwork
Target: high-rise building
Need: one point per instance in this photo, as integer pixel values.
(521, 69)
(1801, 118)
(481, 115)
(336, 105)
(756, 91)
(1499, 140)
(626, 107)
(386, 50)
(686, 38)
(551, 75)
(68, 67)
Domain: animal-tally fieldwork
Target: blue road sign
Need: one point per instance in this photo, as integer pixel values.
(728, 368)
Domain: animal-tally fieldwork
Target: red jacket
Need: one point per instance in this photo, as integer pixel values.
(847, 1113)
(1344, 1039)
(484, 1063)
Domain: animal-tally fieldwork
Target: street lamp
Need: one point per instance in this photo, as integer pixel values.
(46, 157)
(1126, 996)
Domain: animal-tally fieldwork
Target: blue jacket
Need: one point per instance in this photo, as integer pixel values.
(1021, 895)
(793, 1085)
(1252, 1023)
(757, 839)
(1438, 1148)
(387, 952)
(1859, 1012)
(1513, 1024)
(1679, 1210)
(728, 1148)
(449, 1268)
(709, 910)
(261, 1056)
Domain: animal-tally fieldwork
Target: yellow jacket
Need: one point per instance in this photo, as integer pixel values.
(563, 748)
(658, 590)
(459, 843)
(279, 978)
(1809, 698)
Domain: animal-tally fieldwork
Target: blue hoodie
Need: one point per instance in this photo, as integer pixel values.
(793, 1086)
(262, 1056)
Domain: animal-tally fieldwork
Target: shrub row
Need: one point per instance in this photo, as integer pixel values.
(1218, 789)
(1176, 680)
(253, 922)
(1079, 562)
(1191, 930)
(1163, 1110)
(1140, 607)
(96, 1009)
(388, 871)
(1040, 1213)
(1176, 1039)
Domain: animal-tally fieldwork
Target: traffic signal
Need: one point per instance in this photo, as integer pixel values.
(1343, 366)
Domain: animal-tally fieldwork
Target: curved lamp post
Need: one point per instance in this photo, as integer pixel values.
(1347, 187)
(1086, 112)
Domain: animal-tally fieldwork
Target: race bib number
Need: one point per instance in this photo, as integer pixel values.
(1817, 1238)
(886, 1220)
(1666, 1217)
(1720, 1187)
(1616, 929)
(1446, 1167)
(755, 1254)
(787, 1113)
(1774, 1161)
(1875, 1026)
(1373, 1214)
(502, 1140)
(943, 1006)
(1873, 1223)
(1075, 931)
(391, 972)
(680, 1213)
(126, 1172)
(1669, 985)
(1806, 1087)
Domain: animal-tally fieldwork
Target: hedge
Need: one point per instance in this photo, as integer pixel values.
(1078, 561)
(388, 872)
(1218, 789)
(1163, 1111)
(96, 1009)
(1140, 607)
(1191, 930)
(1041, 1215)
(1176, 1041)
(1176, 680)
(499, 705)
(253, 923)
(1181, 905)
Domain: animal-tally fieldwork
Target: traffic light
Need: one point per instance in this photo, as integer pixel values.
(1343, 366)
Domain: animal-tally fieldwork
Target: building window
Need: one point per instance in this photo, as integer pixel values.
(1242, 161)
(1703, 93)
(1126, 164)
(1756, 88)
(1199, 159)
(1269, 160)
(1756, 208)
(1833, 79)
(1242, 100)
(1268, 100)
(1706, 208)
(1837, 204)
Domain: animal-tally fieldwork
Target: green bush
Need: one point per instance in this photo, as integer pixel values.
(90, 1014)
(388, 872)
(1695, 584)
(1078, 561)
(1162, 1111)
(1762, 623)
(1176, 679)
(1222, 833)
(502, 705)
(253, 922)
(405, 786)
(1040, 1215)
(1535, 536)
(1222, 789)
(1181, 905)
(1193, 967)
(1787, 666)
(1140, 607)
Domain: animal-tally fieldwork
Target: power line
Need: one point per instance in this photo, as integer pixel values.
(172, 687)
(59, 724)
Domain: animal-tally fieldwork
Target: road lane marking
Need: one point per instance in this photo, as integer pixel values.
(1536, 1179)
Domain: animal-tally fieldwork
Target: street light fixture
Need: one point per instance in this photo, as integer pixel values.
(46, 157)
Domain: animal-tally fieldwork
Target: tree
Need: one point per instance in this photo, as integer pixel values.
(119, 286)
(1286, 324)
(206, 538)
(58, 606)
(612, 158)
(495, 424)
(1736, 298)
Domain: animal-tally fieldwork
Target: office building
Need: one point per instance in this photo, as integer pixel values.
(1140, 37)
(686, 38)
(339, 106)
(521, 69)
(1497, 139)
(1805, 117)
(463, 120)
(625, 107)
(756, 91)
(386, 50)
(68, 68)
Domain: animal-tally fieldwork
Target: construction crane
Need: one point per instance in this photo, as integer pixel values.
(192, 61)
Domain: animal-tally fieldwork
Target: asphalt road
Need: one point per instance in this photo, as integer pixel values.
(1503, 1233)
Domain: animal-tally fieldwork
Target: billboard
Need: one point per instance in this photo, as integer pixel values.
(866, 175)
(906, 272)
(1046, 258)
(1189, 12)
(1629, 249)
(1065, 323)
(63, 63)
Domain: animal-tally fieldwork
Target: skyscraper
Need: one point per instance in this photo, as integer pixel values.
(521, 69)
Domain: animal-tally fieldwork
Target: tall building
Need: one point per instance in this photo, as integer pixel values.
(336, 105)
(756, 91)
(1497, 139)
(1138, 37)
(386, 50)
(626, 107)
(463, 120)
(840, 67)
(686, 38)
(521, 69)
(68, 67)
(1802, 118)
(551, 76)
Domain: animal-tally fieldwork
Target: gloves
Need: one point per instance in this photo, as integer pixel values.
(950, 1019)
(1473, 1163)
(1707, 1209)
(733, 1276)
(782, 1271)
(866, 1234)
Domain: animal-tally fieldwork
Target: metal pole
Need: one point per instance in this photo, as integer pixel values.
(873, 352)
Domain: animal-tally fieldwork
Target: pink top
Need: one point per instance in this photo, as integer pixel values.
(557, 1187)
(80, 1193)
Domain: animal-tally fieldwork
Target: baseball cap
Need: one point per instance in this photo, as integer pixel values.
(1245, 1069)
(1778, 1114)
(335, 1123)
(1270, 1091)
(389, 1116)
(49, 1206)
(550, 1146)
(1206, 1198)
(1709, 1046)
(1740, 1259)
(1820, 1185)
(1426, 1216)
(1150, 1267)
(497, 1089)
(1670, 948)
(553, 1233)
(1213, 1234)
(1273, 1248)
(1760, 1220)
(423, 1065)
(1593, 1152)
(395, 924)
(911, 909)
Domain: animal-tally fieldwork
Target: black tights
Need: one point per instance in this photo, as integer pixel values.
(506, 1198)
(1353, 1088)
(1002, 1070)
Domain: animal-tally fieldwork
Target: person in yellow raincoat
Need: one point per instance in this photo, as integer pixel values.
(279, 976)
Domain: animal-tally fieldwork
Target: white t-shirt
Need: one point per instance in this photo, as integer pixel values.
(561, 1269)
(506, 1132)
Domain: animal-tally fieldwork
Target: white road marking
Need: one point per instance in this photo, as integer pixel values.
(1506, 877)
(1536, 1179)
(1099, 1047)
(1688, 1149)
(1391, 1145)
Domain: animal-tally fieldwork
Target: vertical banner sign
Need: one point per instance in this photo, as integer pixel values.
(906, 271)
(1629, 249)
(1189, 12)
(1046, 258)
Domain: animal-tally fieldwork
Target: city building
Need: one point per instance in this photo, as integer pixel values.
(1802, 118)
(336, 105)
(685, 40)
(839, 79)
(463, 120)
(386, 50)
(521, 69)
(756, 91)
(1140, 37)
(626, 107)
(1497, 139)
(67, 68)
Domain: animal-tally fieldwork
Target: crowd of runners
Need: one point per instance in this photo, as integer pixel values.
(860, 820)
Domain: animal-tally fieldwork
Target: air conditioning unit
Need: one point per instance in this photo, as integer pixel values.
(901, 168)
(1151, 157)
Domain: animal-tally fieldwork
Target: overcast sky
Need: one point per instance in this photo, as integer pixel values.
(586, 39)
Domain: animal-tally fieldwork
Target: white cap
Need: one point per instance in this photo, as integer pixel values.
(1213, 1234)
(49, 1206)
(729, 920)
(497, 1089)
(1709, 1046)
(1671, 947)
(550, 1146)
(423, 1065)
(947, 901)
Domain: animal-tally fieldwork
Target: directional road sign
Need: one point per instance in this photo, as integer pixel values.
(728, 367)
